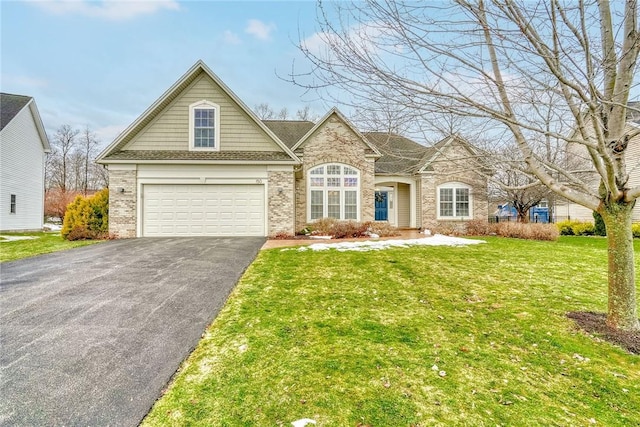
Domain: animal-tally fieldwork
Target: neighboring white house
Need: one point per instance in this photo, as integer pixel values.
(23, 148)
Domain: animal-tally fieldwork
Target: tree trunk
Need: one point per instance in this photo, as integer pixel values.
(623, 311)
(523, 216)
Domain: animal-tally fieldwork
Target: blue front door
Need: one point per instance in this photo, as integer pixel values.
(382, 211)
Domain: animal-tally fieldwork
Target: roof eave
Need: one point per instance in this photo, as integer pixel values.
(207, 162)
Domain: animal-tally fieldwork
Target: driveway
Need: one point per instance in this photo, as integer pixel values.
(92, 335)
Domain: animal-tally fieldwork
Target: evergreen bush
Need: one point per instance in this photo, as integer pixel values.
(87, 217)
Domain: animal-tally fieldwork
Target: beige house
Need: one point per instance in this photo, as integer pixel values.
(568, 210)
(199, 162)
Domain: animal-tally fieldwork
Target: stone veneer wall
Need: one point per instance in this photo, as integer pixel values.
(281, 205)
(453, 166)
(122, 206)
(336, 143)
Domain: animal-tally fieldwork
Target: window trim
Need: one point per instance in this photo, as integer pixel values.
(204, 105)
(326, 188)
(454, 186)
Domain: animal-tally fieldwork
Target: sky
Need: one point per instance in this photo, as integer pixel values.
(102, 63)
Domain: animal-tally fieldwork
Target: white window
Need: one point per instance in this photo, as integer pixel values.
(454, 201)
(12, 205)
(204, 126)
(334, 192)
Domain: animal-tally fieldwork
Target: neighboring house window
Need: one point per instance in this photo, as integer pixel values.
(454, 200)
(334, 192)
(204, 126)
(12, 206)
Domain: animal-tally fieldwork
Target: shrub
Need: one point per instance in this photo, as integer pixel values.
(87, 217)
(583, 229)
(566, 227)
(478, 227)
(449, 229)
(635, 229)
(347, 229)
(382, 229)
(529, 231)
(576, 228)
(600, 228)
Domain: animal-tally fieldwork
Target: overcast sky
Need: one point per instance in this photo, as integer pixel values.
(102, 63)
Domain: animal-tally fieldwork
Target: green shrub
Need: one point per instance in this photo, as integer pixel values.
(87, 217)
(635, 229)
(566, 227)
(599, 227)
(576, 228)
(583, 229)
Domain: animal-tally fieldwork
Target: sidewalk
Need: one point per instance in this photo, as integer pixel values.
(404, 235)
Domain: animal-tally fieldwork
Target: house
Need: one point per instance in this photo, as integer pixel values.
(23, 148)
(199, 162)
(573, 211)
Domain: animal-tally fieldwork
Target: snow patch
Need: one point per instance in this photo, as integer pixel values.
(435, 240)
(5, 238)
(302, 422)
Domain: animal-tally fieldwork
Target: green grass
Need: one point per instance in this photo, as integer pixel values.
(351, 338)
(45, 243)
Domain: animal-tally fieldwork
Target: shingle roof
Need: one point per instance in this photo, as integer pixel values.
(10, 105)
(252, 156)
(400, 155)
(289, 131)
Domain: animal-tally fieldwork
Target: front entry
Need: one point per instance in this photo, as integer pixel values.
(382, 205)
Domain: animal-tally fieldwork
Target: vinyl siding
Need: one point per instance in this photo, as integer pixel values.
(580, 213)
(21, 173)
(169, 130)
(404, 206)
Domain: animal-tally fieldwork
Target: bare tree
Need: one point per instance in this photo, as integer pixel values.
(63, 145)
(89, 143)
(306, 114)
(282, 114)
(264, 111)
(494, 64)
(511, 183)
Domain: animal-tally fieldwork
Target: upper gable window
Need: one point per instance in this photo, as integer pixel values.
(204, 126)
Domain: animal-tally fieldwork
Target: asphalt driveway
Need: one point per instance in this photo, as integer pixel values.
(90, 336)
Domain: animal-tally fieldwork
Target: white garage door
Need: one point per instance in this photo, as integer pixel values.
(203, 210)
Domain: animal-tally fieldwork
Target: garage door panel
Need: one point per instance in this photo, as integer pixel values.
(206, 210)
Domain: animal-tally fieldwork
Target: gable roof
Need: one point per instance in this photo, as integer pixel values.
(371, 150)
(400, 155)
(11, 105)
(172, 93)
(439, 148)
(289, 131)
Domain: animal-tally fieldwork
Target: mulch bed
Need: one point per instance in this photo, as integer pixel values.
(595, 323)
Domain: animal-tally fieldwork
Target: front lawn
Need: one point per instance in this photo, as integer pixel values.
(43, 243)
(421, 336)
